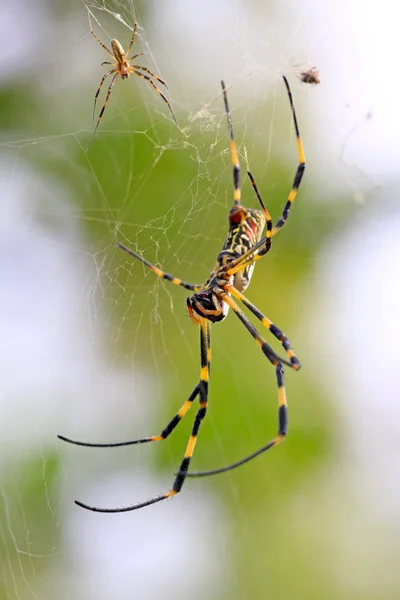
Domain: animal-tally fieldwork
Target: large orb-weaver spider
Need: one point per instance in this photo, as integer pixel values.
(210, 302)
(122, 68)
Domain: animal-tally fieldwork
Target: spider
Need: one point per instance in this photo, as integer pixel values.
(122, 68)
(310, 76)
(210, 302)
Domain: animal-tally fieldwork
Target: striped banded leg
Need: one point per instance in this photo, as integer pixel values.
(132, 69)
(205, 349)
(268, 226)
(100, 86)
(282, 402)
(110, 87)
(131, 58)
(202, 390)
(149, 72)
(132, 39)
(99, 40)
(159, 272)
(234, 154)
(300, 169)
(155, 438)
(278, 333)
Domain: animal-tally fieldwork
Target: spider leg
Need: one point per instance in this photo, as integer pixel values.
(234, 154)
(149, 72)
(99, 40)
(100, 86)
(154, 438)
(132, 40)
(282, 403)
(133, 70)
(278, 333)
(135, 56)
(268, 218)
(202, 390)
(300, 169)
(110, 87)
(160, 273)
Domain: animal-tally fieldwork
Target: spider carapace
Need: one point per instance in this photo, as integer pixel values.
(249, 238)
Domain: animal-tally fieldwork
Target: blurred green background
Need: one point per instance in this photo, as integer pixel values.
(112, 354)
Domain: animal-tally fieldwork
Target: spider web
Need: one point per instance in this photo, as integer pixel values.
(106, 348)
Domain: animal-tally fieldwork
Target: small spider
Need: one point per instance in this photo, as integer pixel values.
(310, 76)
(123, 69)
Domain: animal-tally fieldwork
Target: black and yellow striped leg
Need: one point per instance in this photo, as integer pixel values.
(154, 438)
(266, 349)
(300, 169)
(132, 69)
(205, 349)
(202, 390)
(159, 272)
(110, 87)
(278, 333)
(282, 411)
(268, 226)
(282, 431)
(234, 154)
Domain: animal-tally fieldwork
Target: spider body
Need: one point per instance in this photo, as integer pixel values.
(122, 68)
(120, 56)
(245, 231)
(246, 226)
(249, 238)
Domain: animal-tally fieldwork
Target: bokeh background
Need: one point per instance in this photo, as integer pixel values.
(96, 348)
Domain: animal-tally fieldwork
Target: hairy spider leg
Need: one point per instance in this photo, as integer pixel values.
(110, 87)
(132, 39)
(149, 72)
(132, 69)
(100, 86)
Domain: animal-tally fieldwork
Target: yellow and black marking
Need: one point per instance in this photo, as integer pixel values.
(202, 390)
(159, 272)
(300, 169)
(282, 432)
(265, 347)
(278, 333)
(210, 302)
(234, 154)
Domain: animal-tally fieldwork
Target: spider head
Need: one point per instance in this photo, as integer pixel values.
(206, 305)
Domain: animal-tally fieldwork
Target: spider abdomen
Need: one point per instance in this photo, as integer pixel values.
(118, 51)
